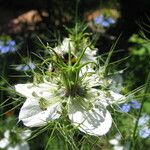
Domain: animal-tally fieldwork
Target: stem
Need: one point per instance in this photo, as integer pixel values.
(132, 144)
(82, 54)
(3, 74)
(109, 56)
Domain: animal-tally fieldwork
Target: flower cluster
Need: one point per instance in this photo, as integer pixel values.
(126, 107)
(76, 90)
(103, 21)
(13, 140)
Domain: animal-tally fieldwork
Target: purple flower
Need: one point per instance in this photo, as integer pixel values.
(135, 104)
(144, 119)
(11, 43)
(4, 49)
(111, 20)
(144, 132)
(143, 124)
(31, 65)
(105, 22)
(8, 46)
(126, 107)
(27, 67)
(99, 19)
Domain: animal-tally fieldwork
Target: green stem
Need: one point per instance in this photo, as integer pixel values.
(3, 74)
(109, 56)
(82, 54)
(147, 88)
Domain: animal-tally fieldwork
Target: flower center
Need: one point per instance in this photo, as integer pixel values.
(43, 103)
(71, 80)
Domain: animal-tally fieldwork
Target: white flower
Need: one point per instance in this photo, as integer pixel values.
(23, 145)
(4, 142)
(63, 48)
(118, 147)
(68, 44)
(86, 110)
(116, 143)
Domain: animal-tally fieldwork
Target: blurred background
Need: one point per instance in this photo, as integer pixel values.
(22, 22)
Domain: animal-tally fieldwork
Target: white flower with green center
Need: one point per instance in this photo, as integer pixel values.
(15, 141)
(73, 90)
(86, 106)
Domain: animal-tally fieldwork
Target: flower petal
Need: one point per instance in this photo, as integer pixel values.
(22, 146)
(7, 134)
(43, 90)
(95, 122)
(144, 132)
(113, 141)
(4, 142)
(125, 108)
(118, 147)
(117, 98)
(25, 134)
(25, 89)
(33, 116)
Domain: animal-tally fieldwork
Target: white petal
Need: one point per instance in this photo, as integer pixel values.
(109, 97)
(25, 89)
(43, 90)
(95, 122)
(64, 47)
(114, 142)
(4, 142)
(32, 115)
(7, 134)
(91, 79)
(90, 55)
(22, 146)
(25, 134)
(117, 97)
(118, 147)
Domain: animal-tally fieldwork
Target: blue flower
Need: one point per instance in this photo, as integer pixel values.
(144, 132)
(27, 67)
(105, 22)
(135, 104)
(143, 125)
(144, 119)
(99, 19)
(126, 107)
(8, 46)
(111, 20)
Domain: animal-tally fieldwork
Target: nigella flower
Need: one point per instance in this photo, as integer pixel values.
(15, 141)
(144, 132)
(29, 66)
(115, 142)
(144, 128)
(86, 106)
(72, 91)
(103, 21)
(67, 43)
(126, 107)
(8, 46)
